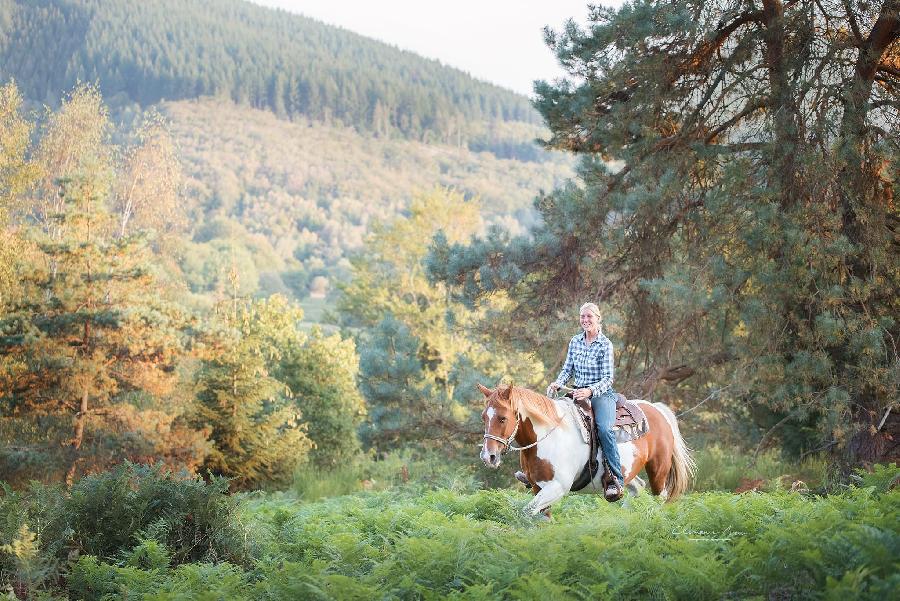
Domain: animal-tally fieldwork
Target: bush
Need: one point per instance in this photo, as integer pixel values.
(881, 477)
(730, 469)
(106, 514)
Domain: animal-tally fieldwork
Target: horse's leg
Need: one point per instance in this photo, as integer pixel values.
(658, 470)
(636, 485)
(545, 496)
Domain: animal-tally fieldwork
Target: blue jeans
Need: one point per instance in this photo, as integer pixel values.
(604, 408)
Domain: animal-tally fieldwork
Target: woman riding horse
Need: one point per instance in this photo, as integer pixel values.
(590, 360)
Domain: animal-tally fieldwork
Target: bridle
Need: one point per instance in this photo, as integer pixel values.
(507, 442)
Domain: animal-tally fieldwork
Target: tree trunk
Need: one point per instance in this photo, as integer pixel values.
(78, 437)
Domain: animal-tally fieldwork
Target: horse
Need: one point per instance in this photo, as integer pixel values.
(553, 452)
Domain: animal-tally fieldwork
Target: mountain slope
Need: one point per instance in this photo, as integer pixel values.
(290, 200)
(144, 52)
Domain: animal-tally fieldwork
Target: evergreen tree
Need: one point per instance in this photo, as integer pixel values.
(735, 210)
(420, 354)
(257, 432)
(86, 356)
(322, 376)
(85, 333)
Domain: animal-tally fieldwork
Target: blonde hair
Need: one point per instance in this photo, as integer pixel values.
(592, 308)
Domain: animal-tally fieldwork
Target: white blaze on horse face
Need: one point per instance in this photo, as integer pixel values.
(490, 412)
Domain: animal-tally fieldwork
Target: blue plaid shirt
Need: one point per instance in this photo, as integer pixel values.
(592, 365)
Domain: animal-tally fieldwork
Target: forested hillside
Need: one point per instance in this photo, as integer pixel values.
(291, 201)
(144, 52)
(291, 137)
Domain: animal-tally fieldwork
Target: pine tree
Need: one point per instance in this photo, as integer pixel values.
(735, 210)
(85, 333)
(86, 355)
(257, 432)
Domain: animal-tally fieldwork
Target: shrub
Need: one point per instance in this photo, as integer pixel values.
(106, 514)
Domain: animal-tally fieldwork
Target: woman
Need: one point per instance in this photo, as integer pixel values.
(590, 360)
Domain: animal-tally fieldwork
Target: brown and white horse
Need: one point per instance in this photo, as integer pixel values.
(553, 452)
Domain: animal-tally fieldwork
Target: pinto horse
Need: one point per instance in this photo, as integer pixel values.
(553, 452)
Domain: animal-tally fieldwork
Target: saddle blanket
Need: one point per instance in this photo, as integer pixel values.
(630, 424)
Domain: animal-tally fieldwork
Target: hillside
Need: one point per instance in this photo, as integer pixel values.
(145, 52)
(289, 200)
(294, 135)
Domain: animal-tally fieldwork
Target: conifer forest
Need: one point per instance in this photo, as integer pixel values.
(253, 268)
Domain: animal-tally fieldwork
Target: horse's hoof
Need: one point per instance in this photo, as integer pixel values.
(521, 477)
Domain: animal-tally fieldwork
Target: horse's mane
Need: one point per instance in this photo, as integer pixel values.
(533, 404)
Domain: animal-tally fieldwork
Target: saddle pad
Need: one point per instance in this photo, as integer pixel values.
(630, 424)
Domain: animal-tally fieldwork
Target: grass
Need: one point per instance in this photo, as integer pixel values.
(730, 469)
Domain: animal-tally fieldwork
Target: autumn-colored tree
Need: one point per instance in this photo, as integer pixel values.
(87, 356)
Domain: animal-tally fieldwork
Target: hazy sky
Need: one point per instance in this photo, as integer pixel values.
(496, 40)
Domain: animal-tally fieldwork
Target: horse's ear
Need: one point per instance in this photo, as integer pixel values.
(505, 394)
(484, 390)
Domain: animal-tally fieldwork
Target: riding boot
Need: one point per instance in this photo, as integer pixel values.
(614, 491)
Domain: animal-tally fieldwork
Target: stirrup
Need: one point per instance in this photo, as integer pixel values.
(521, 477)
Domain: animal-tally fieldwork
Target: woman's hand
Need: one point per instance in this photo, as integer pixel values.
(552, 388)
(582, 393)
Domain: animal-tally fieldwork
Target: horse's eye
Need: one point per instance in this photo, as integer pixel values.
(502, 420)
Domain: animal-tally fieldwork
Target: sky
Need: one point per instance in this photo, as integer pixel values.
(499, 41)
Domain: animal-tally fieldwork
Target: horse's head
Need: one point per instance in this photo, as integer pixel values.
(500, 423)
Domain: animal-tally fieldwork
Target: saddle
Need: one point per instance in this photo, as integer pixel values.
(630, 424)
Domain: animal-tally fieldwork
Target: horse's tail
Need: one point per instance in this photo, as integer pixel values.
(683, 466)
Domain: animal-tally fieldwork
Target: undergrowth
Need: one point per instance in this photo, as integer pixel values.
(445, 544)
(452, 540)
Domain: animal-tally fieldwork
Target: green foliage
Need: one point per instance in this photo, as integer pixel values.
(146, 518)
(93, 580)
(321, 374)
(882, 477)
(410, 542)
(289, 64)
(479, 546)
(729, 468)
(405, 468)
(123, 510)
(420, 356)
(274, 396)
(731, 214)
(257, 434)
